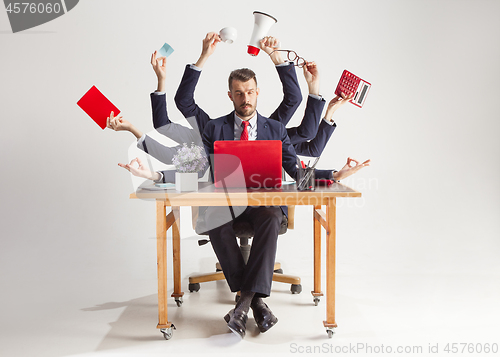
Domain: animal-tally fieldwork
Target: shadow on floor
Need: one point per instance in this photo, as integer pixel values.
(200, 316)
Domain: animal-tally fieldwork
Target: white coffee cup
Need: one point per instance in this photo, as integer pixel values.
(228, 34)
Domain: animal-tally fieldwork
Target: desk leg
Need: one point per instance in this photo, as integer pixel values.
(330, 266)
(316, 293)
(176, 248)
(161, 250)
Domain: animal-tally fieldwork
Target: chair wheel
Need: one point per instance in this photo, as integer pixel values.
(194, 287)
(316, 301)
(178, 302)
(168, 332)
(330, 333)
(296, 288)
(279, 271)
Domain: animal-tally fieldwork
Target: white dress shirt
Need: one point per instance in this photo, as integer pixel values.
(252, 127)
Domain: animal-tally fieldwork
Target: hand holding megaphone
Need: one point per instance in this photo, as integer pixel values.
(262, 24)
(271, 46)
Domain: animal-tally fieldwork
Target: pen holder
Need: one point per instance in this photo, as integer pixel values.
(305, 179)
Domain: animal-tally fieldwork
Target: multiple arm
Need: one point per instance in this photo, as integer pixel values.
(184, 97)
(295, 140)
(315, 147)
(292, 97)
(325, 130)
(289, 158)
(161, 121)
(309, 126)
(149, 146)
(144, 142)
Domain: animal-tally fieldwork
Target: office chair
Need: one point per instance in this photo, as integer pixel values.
(245, 232)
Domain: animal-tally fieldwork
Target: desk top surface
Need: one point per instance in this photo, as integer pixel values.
(208, 195)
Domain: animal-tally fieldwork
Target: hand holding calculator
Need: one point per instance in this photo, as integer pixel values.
(352, 84)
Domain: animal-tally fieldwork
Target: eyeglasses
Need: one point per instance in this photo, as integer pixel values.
(293, 57)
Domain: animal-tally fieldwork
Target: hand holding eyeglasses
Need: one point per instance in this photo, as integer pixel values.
(311, 74)
(293, 57)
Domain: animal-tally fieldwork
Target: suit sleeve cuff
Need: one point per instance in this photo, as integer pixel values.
(159, 93)
(329, 122)
(193, 67)
(160, 180)
(141, 139)
(318, 97)
(331, 176)
(284, 64)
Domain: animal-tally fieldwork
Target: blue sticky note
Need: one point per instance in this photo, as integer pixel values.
(166, 50)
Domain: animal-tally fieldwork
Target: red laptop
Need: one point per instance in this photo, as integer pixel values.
(253, 164)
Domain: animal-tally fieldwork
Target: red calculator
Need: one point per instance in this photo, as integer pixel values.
(352, 84)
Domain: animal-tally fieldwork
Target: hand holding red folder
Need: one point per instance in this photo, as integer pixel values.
(97, 106)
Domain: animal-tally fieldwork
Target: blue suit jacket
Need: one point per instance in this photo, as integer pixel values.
(307, 130)
(223, 129)
(184, 99)
(182, 134)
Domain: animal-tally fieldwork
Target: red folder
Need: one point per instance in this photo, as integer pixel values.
(97, 106)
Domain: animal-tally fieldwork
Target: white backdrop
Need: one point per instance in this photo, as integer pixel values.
(430, 126)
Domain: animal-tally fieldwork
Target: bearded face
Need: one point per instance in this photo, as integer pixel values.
(244, 97)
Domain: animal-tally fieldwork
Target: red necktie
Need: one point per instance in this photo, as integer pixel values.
(244, 133)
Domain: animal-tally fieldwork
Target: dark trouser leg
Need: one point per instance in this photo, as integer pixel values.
(258, 273)
(225, 245)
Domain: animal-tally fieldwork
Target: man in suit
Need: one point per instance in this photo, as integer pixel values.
(254, 278)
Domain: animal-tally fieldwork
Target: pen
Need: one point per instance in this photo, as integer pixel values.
(306, 178)
(315, 162)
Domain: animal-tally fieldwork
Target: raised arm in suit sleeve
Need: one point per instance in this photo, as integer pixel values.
(316, 146)
(159, 109)
(208, 145)
(184, 100)
(292, 96)
(288, 155)
(165, 126)
(308, 128)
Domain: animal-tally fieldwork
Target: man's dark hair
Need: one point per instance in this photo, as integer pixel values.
(243, 75)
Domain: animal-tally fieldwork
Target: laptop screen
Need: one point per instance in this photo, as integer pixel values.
(253, 163)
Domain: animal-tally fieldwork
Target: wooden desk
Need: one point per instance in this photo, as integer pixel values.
(208, 195)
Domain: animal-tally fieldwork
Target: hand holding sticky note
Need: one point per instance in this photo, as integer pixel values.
(166, 50)
(97, 106)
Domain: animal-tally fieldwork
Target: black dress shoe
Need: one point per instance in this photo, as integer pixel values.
(236, 321)
(263, 316)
